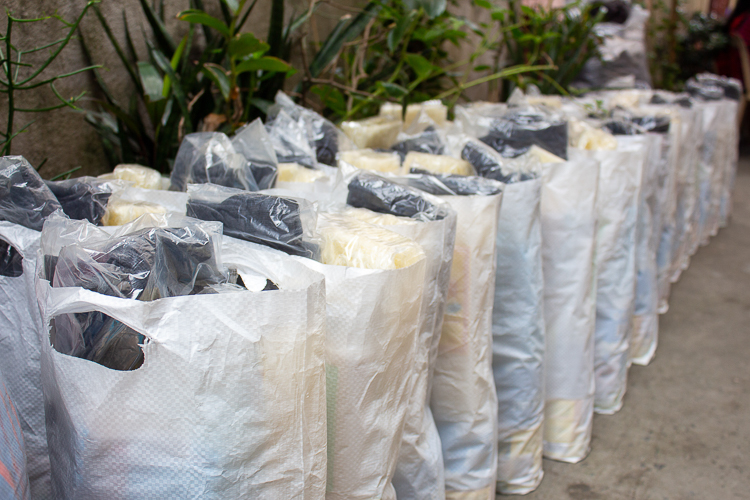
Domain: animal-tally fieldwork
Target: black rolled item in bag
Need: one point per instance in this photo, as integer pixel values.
(450, 184)
(426, 142)
(732, 88)
(658, 124)
(84, 198)
(24, 198)
(11, 261)
(706, 91)
(253, 143)
(209, 157)
(513, 135)
(488, 166)
(326, 142)
(381, 195)
(622, 127)
(273, 221)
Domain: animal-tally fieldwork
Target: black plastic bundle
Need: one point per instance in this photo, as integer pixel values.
(711, 87)
(513, 134)
(427, 142)
(84, 198)
(489, 167)
(273, 221)
(449, 184)
(323, 136)
(24, 197)
(622, 127)
(253, 143)
(381, 195)
(11, 261)
(149, 264)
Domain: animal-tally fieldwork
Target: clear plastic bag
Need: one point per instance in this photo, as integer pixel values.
(439, 164)
(377, 132)
(376, 193)
(452, 185)
(428, 141)
(434, 109)
(24, 197)
(324, 137)
(290, 139)
(252, 142)
(292, 172)
(85, 198)
(368, 159)
(489, 163)
(131, 203)
(282, 223)
(138, 175)
(210, 157)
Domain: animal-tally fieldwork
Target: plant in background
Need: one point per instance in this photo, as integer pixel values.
(19, 76)
(704, 38)
(395, 51)
(662, 49)
(561, 37)
(184, 86)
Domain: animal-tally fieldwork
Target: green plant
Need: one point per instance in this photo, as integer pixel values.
(19, 76)
(181, 87)
(395, 51)
(661, 44)
(562, 37)
(703, 39)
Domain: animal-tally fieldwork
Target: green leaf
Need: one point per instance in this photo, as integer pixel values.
(165, 65)
(397, 33)
(483, 4)
(482, 67)
(342, 33)
(246, 44)
(216, 74)
(266, 63)
(392, 89)
(165, 42)
(232, 4)
(199, 17)
(421, 66)
(151, 80)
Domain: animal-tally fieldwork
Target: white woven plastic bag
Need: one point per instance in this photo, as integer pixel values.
(518, 338)
(229, 402)
(20, 348)
(568, 211)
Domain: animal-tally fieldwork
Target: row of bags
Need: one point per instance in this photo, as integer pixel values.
(431, 389)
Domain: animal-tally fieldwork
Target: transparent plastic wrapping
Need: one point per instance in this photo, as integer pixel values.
(252, 142)
(228, 379)
(324, 137)
(428, 141)
(377, 132)
(434, 109)
(350, 241)
(138, 175)
(24, 197)
(146, 264)
(14, 482)
(568, 214)
(515, 132)
(489, 163)
(732, 88)
(368, 159)
(453, 185)
(439, 164)
(20, 350)
(376, 193)
(290, 139)
(373, 325)
(518, 338)
(84, 198)
(210, 157)
(282, 223)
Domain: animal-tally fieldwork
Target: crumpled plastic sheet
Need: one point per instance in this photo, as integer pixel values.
(620, 180)
(145, 264)
(252, 142)
(513, 134)
(24, 197)
(489, 163)
(568, 213)
(428, 141)
(210, 157)
(216, 392)
(290, 139)
(14, 482)
(518, 338)
(373, 325)
(20, 351)
(376, 193)
(282, 223)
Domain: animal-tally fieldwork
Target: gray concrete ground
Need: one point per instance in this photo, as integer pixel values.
(684, 430)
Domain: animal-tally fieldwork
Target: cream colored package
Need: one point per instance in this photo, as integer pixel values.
(377, 132)
(293, 172)
(439, 164)
(128, 204)
(435, 110)
(367, 159)
(140, 176)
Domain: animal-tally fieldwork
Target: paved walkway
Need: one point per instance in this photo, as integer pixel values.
(684, 430)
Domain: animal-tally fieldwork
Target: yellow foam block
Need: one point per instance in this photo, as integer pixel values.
(121, 212)
(434, 109)
(367, 159)
(378, 132)
(439, 164)
(292, 172)
(140, 176)
(352, 243)
(581, 135)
